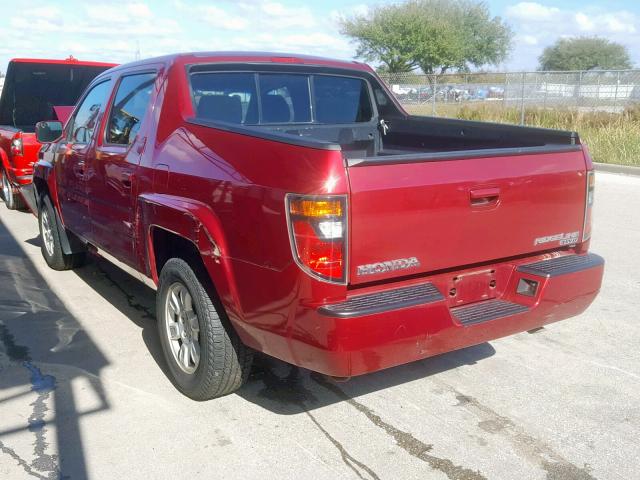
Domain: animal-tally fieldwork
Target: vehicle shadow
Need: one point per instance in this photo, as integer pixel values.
(131, 297)
(288, 390)
(43, 351)
(273, 384)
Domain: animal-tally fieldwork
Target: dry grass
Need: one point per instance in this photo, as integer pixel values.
(611, 137)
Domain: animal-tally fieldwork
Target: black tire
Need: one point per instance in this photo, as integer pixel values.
(51, 246)
(11, 198)
(224, 361)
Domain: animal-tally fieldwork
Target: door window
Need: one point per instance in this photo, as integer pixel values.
(129, 107)
(85, 120)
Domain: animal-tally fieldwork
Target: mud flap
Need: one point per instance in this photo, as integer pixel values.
(28, 193)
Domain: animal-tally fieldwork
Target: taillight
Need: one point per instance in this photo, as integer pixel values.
(16, 146)
(318, 232)
(588, 207)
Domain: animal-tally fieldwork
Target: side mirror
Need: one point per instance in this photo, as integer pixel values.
(48, 132)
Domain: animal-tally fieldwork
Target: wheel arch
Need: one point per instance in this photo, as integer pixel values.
(172, 226)
(70, 243)
(44, 182)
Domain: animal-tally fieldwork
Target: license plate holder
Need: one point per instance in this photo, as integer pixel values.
(473, 287)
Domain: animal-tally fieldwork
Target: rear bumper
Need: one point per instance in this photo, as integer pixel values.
(366, 333)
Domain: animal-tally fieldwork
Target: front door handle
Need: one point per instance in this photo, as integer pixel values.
(482, 197)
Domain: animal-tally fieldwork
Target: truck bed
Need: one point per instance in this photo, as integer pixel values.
(414, 138)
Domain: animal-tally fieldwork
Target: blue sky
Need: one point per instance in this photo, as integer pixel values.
(114, 30)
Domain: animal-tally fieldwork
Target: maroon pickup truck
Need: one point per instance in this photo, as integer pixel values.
(289, 205)
(35, 89)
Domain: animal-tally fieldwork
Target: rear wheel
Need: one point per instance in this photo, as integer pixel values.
(12, 200)
(205, 356)
(50, 244)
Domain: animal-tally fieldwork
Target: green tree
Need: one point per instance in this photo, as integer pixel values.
(433, 35)
(584, 53)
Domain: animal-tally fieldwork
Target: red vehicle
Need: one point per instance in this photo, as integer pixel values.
(288, 204)
(34, 90)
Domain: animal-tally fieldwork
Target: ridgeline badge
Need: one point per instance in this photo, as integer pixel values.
(388, 266)
(561, 238)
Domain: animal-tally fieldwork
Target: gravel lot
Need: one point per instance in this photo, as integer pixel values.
(83, 393)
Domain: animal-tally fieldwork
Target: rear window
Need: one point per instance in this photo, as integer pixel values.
(280, 98)
(285, 98)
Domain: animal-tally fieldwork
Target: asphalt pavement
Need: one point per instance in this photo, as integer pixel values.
(84, 394)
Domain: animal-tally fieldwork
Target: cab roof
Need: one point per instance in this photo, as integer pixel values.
(249, 57)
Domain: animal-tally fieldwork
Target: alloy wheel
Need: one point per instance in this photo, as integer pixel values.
(47, 232)
(182, 328)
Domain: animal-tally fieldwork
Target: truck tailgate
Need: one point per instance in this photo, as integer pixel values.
(408, 218)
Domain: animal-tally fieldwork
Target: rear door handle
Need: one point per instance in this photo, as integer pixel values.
(141, 146)
(126, 179)
(79, 169)
(481, 197)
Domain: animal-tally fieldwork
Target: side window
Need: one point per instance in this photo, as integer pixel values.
(85, 120)
(129, 107)
(341, 100)
(226, 97)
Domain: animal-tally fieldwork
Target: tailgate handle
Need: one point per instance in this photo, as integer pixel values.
(481, 197)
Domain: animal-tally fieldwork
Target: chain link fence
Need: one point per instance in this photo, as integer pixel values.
(591, 91)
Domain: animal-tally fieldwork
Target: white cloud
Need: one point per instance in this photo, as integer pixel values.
(105, 13)
(538, 26)
(48, 11)
(531, 17)
(219, 18)
(277, 15)
(531, 11)
(35, 24)
(620, 23)
(355, 10)
(584, 22)
(140, 10)
(527, 39)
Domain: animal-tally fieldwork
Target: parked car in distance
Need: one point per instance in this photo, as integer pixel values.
(288, 204)
(35, 89)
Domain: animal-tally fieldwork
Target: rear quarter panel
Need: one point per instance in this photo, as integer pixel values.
(241, 182)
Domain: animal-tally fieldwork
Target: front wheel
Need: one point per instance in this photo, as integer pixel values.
(206, 358)
(50, 244)
(12, 200)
